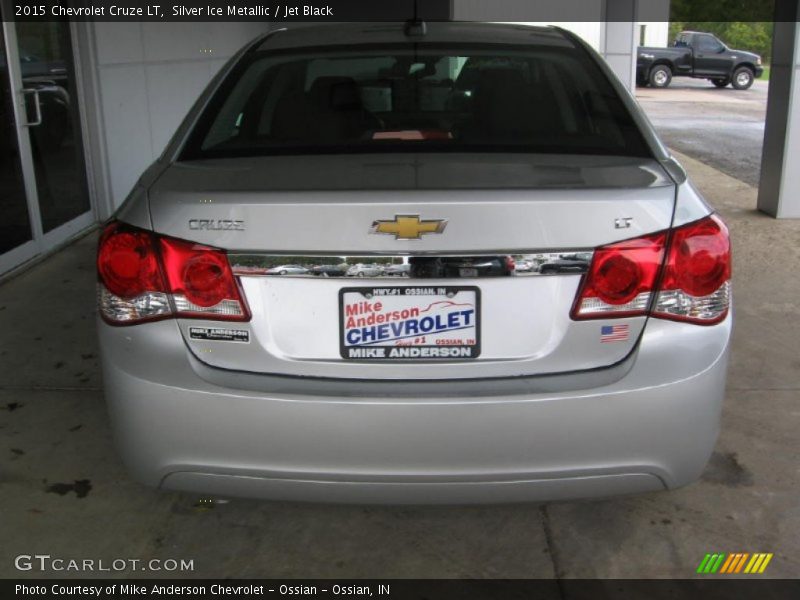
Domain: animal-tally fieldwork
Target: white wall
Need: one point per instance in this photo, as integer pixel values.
(514, 11)
(656, 33)
(146, 76)
(527, 10)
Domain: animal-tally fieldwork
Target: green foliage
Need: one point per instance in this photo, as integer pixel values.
(702, 11)
(740, 35)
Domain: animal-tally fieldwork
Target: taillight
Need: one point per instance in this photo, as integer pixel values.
(697, 273)
(201, 281)
(131, 285)
(144, 277)
(621, 279)
(127, 262)
(628, 279)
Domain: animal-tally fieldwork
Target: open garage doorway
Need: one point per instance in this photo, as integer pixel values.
(722, 127)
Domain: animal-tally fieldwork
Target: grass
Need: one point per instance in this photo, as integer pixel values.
(765, 76)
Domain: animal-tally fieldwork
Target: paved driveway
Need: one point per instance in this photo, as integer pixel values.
(722, 127)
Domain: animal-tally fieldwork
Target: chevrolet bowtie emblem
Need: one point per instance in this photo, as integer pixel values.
(408, 227)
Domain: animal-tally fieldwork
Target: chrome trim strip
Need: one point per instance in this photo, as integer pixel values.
(413, 266)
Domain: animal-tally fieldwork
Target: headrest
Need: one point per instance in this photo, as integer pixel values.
(338, 93)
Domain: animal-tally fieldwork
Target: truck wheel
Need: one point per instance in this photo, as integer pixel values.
(742, 78)
(660, 76)
(721, 83)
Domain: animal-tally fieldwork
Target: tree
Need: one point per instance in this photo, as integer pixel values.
(728, 10)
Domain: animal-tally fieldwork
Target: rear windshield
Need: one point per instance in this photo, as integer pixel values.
(418, 98)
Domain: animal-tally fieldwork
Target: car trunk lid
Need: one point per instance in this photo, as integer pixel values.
(315, 209)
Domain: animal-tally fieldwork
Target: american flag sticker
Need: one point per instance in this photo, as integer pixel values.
(614, 333)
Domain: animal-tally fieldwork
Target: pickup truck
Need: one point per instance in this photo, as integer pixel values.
(698, 55)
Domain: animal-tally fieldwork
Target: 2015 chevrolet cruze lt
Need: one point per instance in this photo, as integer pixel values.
(457, 150)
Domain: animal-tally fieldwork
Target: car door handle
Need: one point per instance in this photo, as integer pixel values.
(38, 105)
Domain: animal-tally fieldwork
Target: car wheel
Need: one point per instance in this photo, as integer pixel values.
(742, 78)
(721, 83)
(660, 76)
(282, 273)
(360, 274)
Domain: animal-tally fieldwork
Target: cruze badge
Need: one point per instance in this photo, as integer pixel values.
(408, 227)
(216, 224)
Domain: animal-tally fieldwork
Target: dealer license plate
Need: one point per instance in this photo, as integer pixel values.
(409, 323)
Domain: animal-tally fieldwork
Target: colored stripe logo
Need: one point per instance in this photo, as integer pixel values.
(735, 562)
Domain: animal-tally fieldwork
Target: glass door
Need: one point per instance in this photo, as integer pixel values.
(48, 79)
(16, 225)
(42, 130)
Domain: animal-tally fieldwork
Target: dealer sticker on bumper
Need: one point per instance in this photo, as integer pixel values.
(409, 323)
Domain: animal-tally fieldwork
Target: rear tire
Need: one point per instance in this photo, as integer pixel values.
(721, 83)
(743, 78)
(660, 76)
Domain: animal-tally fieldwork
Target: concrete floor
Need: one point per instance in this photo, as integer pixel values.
(64, 492)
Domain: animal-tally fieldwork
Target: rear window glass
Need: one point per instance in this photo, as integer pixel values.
(532, 99)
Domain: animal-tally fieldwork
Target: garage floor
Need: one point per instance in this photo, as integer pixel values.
(63, 491)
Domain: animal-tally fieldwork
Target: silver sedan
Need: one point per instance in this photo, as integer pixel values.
(447, 148)
(287, 270)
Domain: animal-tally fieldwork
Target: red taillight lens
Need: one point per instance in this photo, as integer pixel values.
(695, 285)
(201, 280)
(617, 278)
(205, 280)
(621, 279)
(127, 262)
(700, 258)
(144, 276)
(696, 282)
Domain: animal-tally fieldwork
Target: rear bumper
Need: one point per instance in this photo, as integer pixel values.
(653, 428)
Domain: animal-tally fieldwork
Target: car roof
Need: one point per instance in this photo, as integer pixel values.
(351, 33)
